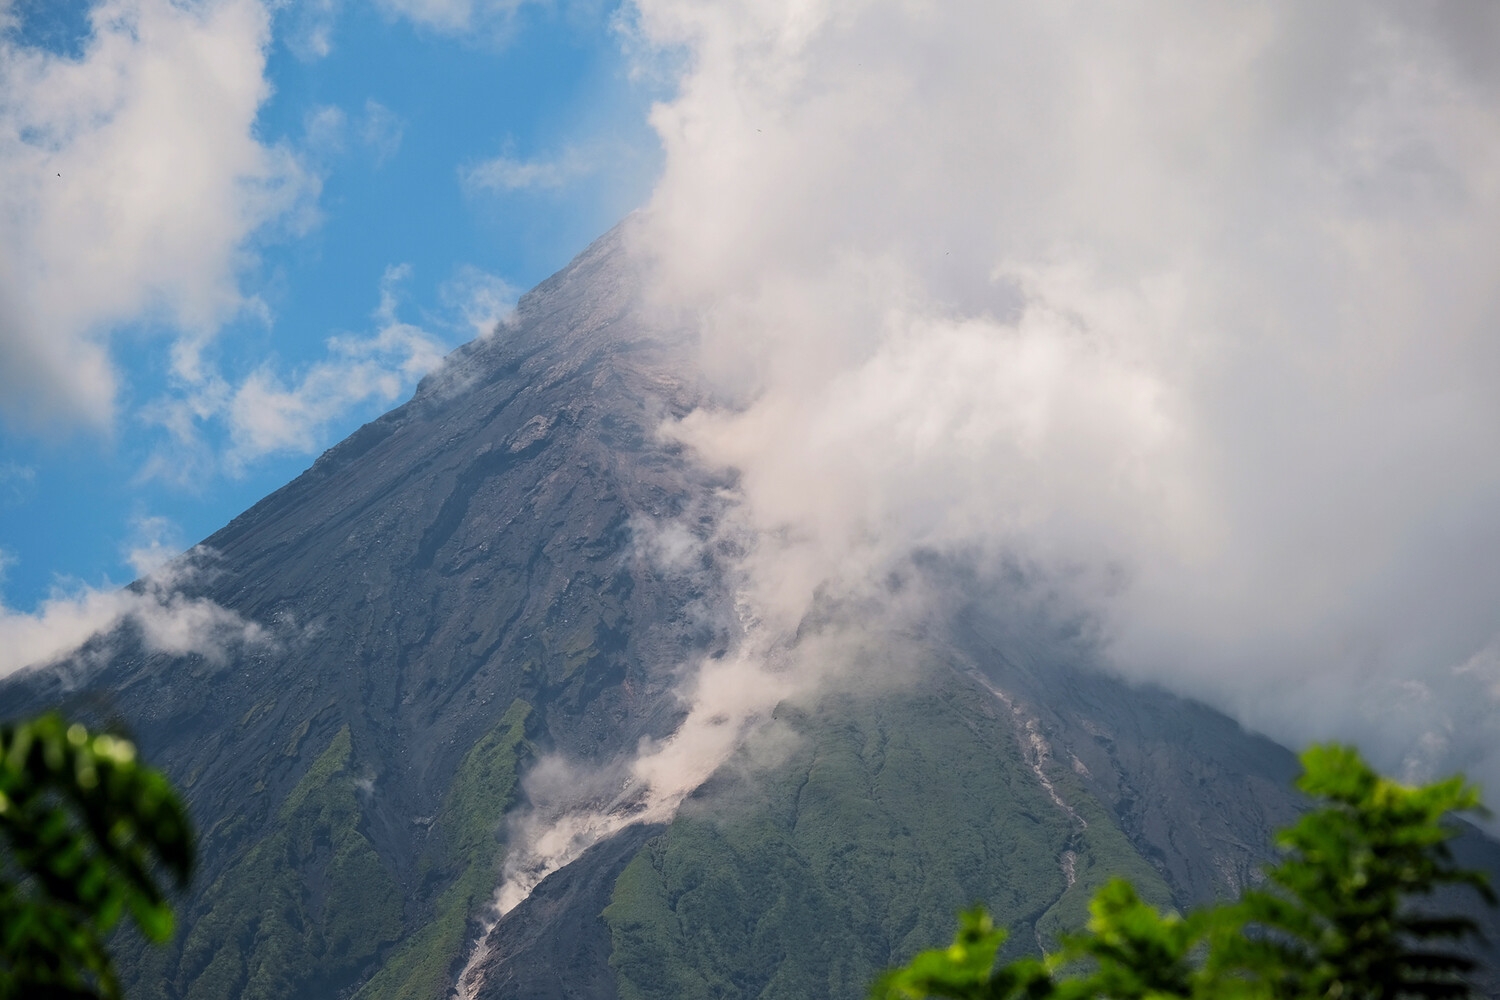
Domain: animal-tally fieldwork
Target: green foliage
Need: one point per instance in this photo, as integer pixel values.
(311, 898)
(482, 790)
(86, 826)
(803, 876)
(966, 968)
(307, 907)
(1337, 922)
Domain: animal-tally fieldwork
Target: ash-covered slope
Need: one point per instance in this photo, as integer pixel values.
(459, 588)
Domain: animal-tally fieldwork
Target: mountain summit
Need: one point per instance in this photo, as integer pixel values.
(478, 610)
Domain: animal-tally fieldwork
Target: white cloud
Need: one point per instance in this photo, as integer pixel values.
(1190, 307)
(482, 17)
(327, 129)
(504, 173)
(155, 541)
(380, 129)
(134, 179)
(165, 619)
(324, 128)
(266, 415)
(309, 33)
(485, 301)
(269, 413)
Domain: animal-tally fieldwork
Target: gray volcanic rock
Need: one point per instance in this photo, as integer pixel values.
(556, 945)
(459, 587)
(469, 550)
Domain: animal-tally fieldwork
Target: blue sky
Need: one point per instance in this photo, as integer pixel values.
(440, 158)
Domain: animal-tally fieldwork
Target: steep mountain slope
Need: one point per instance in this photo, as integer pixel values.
(448, 588)
(882, 814)
(461, 588)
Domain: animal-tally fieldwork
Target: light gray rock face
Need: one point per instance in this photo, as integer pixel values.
(475, 553)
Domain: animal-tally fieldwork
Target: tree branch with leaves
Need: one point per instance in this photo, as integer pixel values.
(1341, 917)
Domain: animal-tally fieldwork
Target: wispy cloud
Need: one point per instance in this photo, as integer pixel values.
(154, 542)
(486, 20)
(377, 129)
(505, 173)
(485, 301)
(380, 130)
(164, 617)
(17, 482)
(269, 413)
(267, 416)
(309, 32)
(324, 130)
(134, 179)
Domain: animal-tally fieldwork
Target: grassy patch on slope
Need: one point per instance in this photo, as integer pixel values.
(482, 791)
(310, 901)
(886, 816)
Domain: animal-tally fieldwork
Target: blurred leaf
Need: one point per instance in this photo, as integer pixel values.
(88, 832)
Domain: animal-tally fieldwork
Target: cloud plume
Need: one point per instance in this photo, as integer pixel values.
(1189, 306)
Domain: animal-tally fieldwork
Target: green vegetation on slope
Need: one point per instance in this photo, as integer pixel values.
(1340, 916)
(482, 791)
(1101, 853)
(310, 909)
(311, 901)
(884, 816)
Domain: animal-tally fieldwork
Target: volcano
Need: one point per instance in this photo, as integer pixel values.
(468, 629)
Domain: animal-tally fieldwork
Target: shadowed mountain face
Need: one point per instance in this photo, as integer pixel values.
(460, 588)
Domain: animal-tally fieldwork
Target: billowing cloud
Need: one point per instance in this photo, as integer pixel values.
(166, 619)
(134, 181)
(1188, 307)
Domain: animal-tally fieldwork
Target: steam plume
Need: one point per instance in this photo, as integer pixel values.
(1191, 306)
